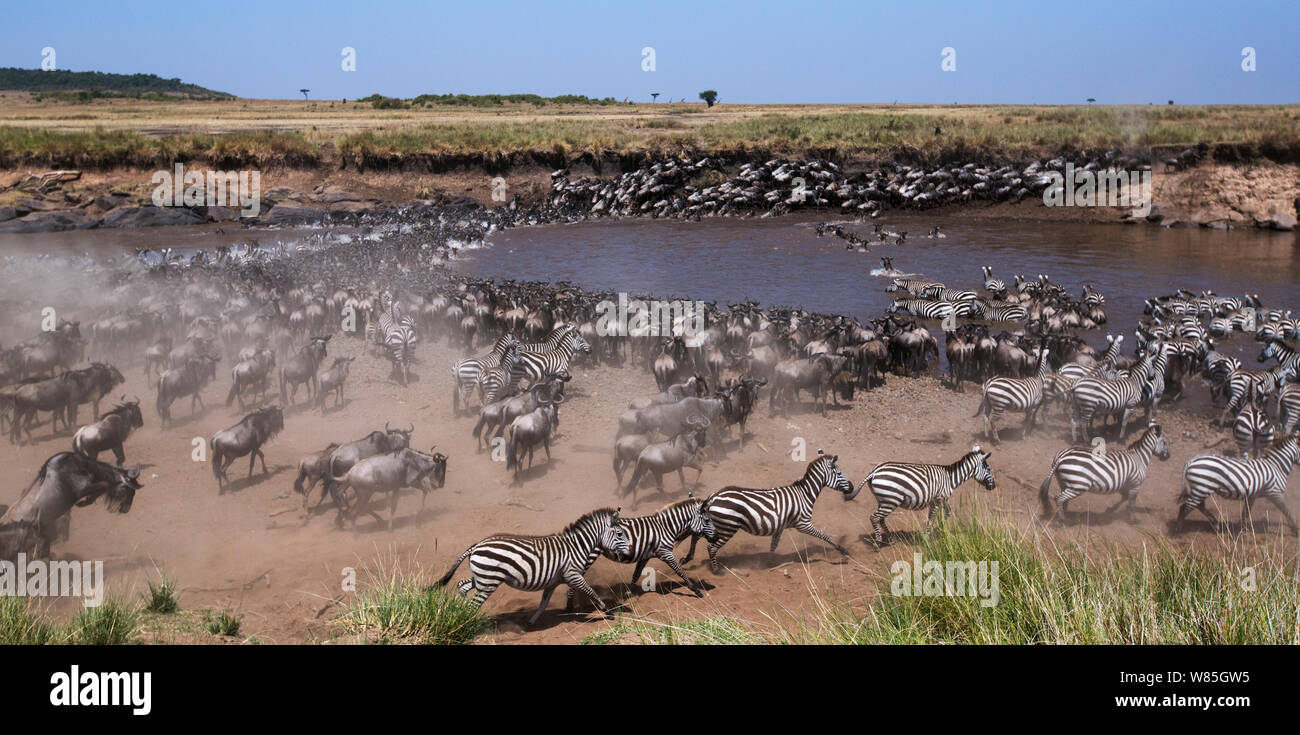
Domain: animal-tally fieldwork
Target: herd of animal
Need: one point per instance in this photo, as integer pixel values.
(272, 316)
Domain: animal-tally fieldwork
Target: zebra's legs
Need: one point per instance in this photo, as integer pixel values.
(1247, 522)
(1276, 499)
(546, 599)
(881, 535)
(988, 426)
(665, 555)
(776, 539)
(808, 528)
(716, 545)
(575, 579)
(636, 573)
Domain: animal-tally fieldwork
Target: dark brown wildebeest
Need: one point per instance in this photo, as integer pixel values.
(812, 374)
(252, 372)
(51, 350)
(312, 469)
(90, 385)
(331, 381)
(109, 432)
(389, 473)
(40, 394)
(187, 380)
(22, 537)
(376, 442)
(301, 368)
(245, 437)
(67, 479)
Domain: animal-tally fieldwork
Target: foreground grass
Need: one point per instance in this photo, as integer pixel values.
(1048, 594)
(305, 134)
(111, 623)
(396, 607)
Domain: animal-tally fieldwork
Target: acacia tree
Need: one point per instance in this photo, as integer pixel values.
(654, 96)
(709, 96)
(304, 92)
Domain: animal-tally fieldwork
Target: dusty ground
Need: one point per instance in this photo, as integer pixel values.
(253, 551)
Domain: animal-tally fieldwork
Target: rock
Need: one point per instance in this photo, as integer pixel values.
(51, 221)
(1282, 221)
(7, 213)
(151, 216)
(333, 194)
(1155, 215)
(223, 214)
(279, 194)
(111, 201)
(37, 205)
(285, 214)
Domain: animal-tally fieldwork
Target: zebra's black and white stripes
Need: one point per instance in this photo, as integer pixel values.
(1239, 479)
(542, 562)
(768, 512)
(534, 366)
(654, 536)
(1096, 470)
(1016, 394)
(914, 485)
(467, 371)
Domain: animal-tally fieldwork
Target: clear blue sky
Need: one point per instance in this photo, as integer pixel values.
(795, 51)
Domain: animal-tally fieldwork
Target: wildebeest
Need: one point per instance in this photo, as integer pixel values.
(156, 357)
(22, 537)
(253, 372)
(812, 374)
(245, 437)
(376, 442)
(389, 473)
(60, 348)
(531, 429)
(312, 469)
(301, 368)
(109, 432)
(187, 380)
(495, 417)
(679, 452)
(90, 385)
(67, 479)
(331, 381)
(39, 394)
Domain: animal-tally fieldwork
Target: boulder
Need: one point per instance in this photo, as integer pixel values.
(288, 214)
(334, 195)
(1282, 221)
(7, 213)
(52, 221)
(151, 216)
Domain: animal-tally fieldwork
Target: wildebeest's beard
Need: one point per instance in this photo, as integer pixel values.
(121, 494)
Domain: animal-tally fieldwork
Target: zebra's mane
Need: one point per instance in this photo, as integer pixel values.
(598, 514)
(679, 504)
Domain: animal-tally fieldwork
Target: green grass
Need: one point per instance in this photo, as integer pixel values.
(1048, 595)
(223, 623)
(22, 626)
(162, 598)
(397, 608)
(111, 623)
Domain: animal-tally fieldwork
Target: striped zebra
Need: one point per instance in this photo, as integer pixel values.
(1104, 365)
(1019, 394)
(954, 295)
(1288, 407)
(496, 382)
(925, 308)
(1078, 471)
(533, 366)
(993, 285)
(998, 313)
(1093, 396)
(466, 371)
(914, 486)
(654, 536)
(543, 563)
(395, 333)
(1252, 429)
(1239, 479)
(768, 512)
(549, 342)
(1286, 356)
(1239, 384)
(913, 286)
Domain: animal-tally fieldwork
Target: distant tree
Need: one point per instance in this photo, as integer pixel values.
(654, 96)
(304, 92)
(709, 96)
(1171, 102)
(1092, 100)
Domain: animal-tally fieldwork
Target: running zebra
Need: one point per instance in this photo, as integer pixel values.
(1079, 471)
(1098, 396)
(396, 333)
(543, 563)
(550, 342)
(654, 536)
(1017, 394)
(467, 371)
(1288, 407)
(1239, 479)
(496, 382)
(1286, 356)
(914, 486)
(768, 512)
(533, 366)
(1240, 383)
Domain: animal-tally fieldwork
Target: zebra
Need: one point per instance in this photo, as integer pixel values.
(993, 285)
(914, 486)
(535, 365)
(999, 313)
(396, 333)
(1079, 470)
(1240, 383)
(954, 295)
(914, 286)
(1287, 356)
(496, 382)
(1092, 396)
(925, 308)
(654, 536)
(1288, 407)
(543, 563)
(1020, 394)
(1252, 429)
(768, 512)
(550, 342)
(1239, 479)
(466, 371)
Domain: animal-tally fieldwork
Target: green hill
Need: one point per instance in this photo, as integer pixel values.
(91, 84)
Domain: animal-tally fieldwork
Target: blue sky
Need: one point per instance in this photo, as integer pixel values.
(797, 51)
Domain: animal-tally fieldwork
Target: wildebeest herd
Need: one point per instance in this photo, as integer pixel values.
(272, 316)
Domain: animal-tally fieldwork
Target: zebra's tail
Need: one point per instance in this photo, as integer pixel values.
(636, 477)
(984, 405)
(1045, 491)
(447, 577)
